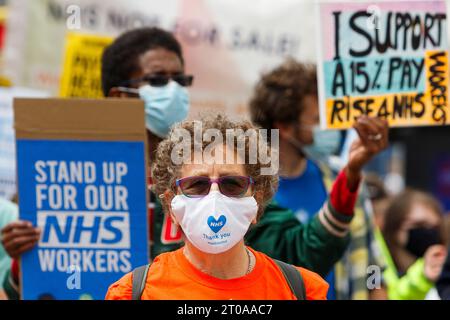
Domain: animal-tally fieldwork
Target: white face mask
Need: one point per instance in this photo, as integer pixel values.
(214, 223)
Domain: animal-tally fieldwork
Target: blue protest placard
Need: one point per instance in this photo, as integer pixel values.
(89, 199)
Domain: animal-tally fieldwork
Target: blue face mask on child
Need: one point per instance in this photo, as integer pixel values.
(164, 106)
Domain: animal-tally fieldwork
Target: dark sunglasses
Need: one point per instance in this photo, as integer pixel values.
(230, 186)
(157, 80)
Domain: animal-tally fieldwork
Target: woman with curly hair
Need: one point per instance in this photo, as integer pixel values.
(215, 203)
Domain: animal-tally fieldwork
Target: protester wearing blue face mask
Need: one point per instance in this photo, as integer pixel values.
(148, 63)
(286, 99)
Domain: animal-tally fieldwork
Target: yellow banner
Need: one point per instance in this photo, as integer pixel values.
(400, 109)
(81, 75)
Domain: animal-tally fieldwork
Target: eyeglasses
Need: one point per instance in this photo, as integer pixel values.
(158, 80)
(230, 186)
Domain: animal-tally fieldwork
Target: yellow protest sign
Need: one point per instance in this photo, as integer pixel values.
(81, 75)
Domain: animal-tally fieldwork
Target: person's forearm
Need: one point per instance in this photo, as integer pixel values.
(353, 179)
(344, 192)
(337, 212)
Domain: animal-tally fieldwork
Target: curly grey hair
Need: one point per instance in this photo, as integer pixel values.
(165, 171)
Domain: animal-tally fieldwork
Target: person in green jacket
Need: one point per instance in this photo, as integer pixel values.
(411, 238)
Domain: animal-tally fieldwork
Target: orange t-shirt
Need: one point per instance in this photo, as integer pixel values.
(172, 277)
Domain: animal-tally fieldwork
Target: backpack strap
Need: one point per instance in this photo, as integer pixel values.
(139, 279)
(293, 278)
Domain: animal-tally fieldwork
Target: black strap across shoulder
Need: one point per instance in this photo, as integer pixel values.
(293, 278)
(139, 278)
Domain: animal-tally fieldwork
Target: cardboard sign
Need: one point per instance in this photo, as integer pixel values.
(81, 73)
(81, 179)
(385, 59)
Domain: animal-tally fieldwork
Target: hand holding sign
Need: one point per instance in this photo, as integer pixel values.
(373, 138)
(19, 237)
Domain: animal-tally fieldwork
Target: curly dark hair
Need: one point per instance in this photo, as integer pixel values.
(278, 96)
(120, 59)
(165, 171)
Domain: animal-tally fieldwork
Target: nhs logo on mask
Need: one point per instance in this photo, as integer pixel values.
(216, 224)
(84, 229)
